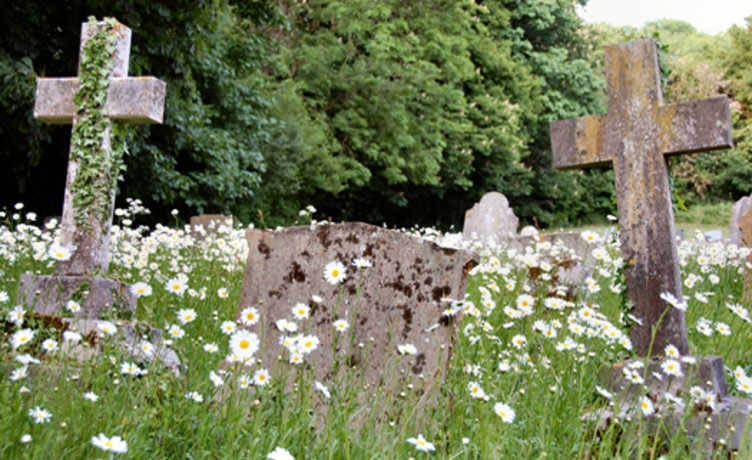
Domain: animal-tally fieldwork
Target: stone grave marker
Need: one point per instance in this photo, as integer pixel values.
(85, 229)
(490, 219)
(740, 208)
(399, 300)
(745, 225)
(635, 135)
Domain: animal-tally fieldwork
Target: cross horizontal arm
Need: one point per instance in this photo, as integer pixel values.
(579, 142)
(130, 100)
(695, 126)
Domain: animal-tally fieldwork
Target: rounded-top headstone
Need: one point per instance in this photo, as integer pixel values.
(741, 207)
(490, 219)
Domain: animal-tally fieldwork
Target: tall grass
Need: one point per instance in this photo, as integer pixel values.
(549, 382)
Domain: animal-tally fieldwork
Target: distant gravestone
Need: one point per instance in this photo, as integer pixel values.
(745, 225)
(399, 300)
(85, 229)
(529, 231)
(740, 208)
(490, 219)
(635, 135)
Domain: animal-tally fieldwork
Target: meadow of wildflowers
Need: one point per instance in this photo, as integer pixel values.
(524, 374)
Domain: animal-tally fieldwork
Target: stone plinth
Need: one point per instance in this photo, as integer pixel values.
(49, 294)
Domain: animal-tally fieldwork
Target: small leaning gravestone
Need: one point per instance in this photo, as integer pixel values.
(490, 219)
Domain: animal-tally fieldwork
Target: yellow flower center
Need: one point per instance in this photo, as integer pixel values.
(244, 344)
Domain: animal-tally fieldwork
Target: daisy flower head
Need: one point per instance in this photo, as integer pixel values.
(301, 311)
(91, 396)
(744, 385)
(244, 343)
(671, 367)
(334, 272)
(671, 351)
(505, 412)
(186, 315)
(22, 337)
(476, 391)
(421, 444)
(341, 325)
(211, 347)
(27, 359)
(223, 293)
(128, 368)
(72, 336)
(286, 326)
(141, 289)
(360, 262)
(646, 406)
(114, 444)
(407, 349)
(519, 341)
(177, 285)
(675, 302)
(249, 316)
(280, 454)
(59, 252)
(590, 237)
(73, 306)
(39, 415)
(106, 328)
(308, 343)
(229, 327)
(261, 377)
(175, 332)
(49, 345)
(16, 315)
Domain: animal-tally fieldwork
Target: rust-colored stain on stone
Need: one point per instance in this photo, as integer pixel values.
(396, 301)
(634, 136)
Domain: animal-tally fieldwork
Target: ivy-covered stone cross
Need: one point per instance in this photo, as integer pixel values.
(94, 103)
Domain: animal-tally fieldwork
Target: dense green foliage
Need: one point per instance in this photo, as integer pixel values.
(377, 111)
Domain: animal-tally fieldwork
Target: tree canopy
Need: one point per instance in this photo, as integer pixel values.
(389, 111)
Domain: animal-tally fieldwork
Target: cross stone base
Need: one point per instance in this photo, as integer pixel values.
(727, 425)
(49, 294)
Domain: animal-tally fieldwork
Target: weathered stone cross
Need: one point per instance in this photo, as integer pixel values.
(129, 100)
(635, 135)
(85, 229)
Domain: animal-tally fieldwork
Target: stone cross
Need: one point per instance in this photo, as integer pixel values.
(129, 100)
(635, 136)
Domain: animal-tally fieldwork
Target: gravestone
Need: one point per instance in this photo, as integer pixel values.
(745, 225)
(490, 219)
(635, 135)
(399, 300)
(85, 229)
(740, 208)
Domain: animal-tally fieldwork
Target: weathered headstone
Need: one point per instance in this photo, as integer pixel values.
(85, 229)
(745, 225)
(396, 301)
(635, 135)
(740, 208)
(490, 219)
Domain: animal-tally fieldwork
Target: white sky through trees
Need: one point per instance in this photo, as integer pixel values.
(709, 16)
